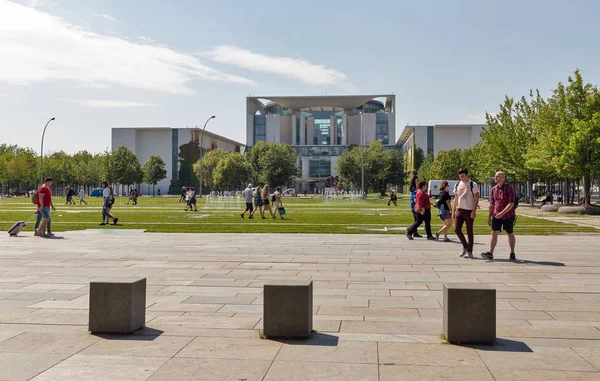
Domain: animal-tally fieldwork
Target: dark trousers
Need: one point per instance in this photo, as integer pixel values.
(464, 216)
(412, 230)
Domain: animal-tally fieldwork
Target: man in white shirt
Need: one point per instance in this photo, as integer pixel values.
(248, 194)
(82, 196)
(466, 200)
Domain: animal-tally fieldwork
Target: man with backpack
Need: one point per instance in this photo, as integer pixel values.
(466, 201)
(502, 215)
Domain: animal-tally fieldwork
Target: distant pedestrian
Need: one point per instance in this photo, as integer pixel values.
(393, 197)
(423, 211)
(82, 196)
(134, 196)
(108, 200)
(278, 204)
(445, 211)
(158, 192)
(248, 195)
(191, 200)
(44, 205)
(466, 201)
(130, 195)
(266, 201)
(501, 215)
(258, 203)
(184, 191)
(412, 188)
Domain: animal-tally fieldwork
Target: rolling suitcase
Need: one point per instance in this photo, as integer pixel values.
(18, 227)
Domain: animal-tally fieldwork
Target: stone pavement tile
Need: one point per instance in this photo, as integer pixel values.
(57, 316)
(584, 297)
(542, 375)
(540, 358)
(46, 296)
(242, 308)
(418, 293)
(540, 331)
(432, 373)
(5, 334)
(231, 348)
(189, 369)
(560, 343)
(109, 368)
(394, 302)
(360, 311)
(222, 282)
(23, 366)
(183, 307)
(590, 355)
(562, 306)
(430, 313)
(532, 295)
(320, 371)
(201, 299)
(22, 327)
(80, 303)
(414, 328)
(210, 322)
(137, 346)
(324, 348)
(428, 354)
(339, 291)
(587, 316)
(534, 315)
(390, 337)
(48, 342)
(54, 286)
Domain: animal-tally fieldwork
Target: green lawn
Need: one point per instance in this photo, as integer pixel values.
(165, 214)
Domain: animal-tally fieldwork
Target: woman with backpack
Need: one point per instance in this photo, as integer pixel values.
(445, 213)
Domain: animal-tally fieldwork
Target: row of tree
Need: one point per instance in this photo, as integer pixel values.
(20, 167)
(534, 139)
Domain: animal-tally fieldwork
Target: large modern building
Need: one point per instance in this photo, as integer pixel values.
(174, 145)
(320, 128)
(436, 138)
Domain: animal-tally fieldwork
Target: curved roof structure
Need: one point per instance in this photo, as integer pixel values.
(322, 103)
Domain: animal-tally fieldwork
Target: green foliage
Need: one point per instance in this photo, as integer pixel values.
(232, 172)
(447, 164)
(419, 158)
(154, 170)
(279, 165)
(127, 167)
(209, 164)
(254, 158)
(426, 169)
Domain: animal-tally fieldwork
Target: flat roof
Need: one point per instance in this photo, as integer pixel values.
(207, 132)
(323, 102)
(408, 129)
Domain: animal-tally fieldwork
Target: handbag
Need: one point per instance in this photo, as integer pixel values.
(282, 210)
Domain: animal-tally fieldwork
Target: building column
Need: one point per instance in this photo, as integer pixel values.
(302, 132)
(310, 130)
(333, 130)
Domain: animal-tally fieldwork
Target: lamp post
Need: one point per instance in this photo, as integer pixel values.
(42, 151)
(201, 142)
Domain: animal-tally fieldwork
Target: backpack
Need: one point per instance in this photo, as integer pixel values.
(456, 186)
(36, 198)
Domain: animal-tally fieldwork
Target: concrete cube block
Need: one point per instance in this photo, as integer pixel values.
(470, 313)
(288, 309)
(117, 307)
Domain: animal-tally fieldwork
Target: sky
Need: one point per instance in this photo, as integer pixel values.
(99, 64)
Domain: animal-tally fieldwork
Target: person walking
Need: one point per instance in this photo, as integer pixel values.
(44, 205)
(393, 197)
(412, 188)
(134, 196)
(266, 201)
(108, 200)
(277, 203)
(423, 211)
(258, 204)
(184, 191)
(248, 195)
(445, 213)
(466, 201)
(82, 196)
(191, 200)
(501, 215)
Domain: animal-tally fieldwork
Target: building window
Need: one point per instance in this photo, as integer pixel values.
(297, 130)
(174, 152)
(260, 128)
(319, 167)
(382, 128)
(429, 139)
(322, 130)
(339, 131)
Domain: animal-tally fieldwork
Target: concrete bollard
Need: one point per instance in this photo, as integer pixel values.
(470, 313)
(288, 309)
(117, 307)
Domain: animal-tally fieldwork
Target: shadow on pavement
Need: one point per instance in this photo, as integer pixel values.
(318, 339)
(503, 345)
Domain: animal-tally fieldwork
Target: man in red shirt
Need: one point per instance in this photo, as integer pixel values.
(501, 215)
(44, 205)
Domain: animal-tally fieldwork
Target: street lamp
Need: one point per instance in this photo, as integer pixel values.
(42, 151)
(201, 141)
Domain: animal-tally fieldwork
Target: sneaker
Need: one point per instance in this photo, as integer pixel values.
(35, 233)
(242, 215)
(437, 236)
(102, 224)
(417, 235)
(432, 238)
(115, 221)
(410, 237)
(263, 217)
(447, 240)
(464, 252)
(513, 257)
(469, 255)
(487, 255)
(250, 217)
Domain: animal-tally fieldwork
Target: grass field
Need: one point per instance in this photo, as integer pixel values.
(166, 214)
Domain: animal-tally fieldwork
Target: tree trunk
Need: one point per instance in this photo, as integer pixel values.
(531, 199)
(587, 185)
(565, 195)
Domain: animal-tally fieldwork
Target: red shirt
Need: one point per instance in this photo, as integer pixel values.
(422, 200)
(44, 190)
(500, 197)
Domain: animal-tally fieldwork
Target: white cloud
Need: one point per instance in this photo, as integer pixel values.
(4, 95)
(304, 71)
(107, 103)
(105, 16)
(36, 46)
(146, 40)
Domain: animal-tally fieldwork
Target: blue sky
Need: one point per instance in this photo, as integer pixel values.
(99, 64)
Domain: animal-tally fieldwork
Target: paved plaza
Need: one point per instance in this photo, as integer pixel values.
(377, 308)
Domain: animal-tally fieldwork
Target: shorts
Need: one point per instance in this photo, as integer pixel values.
(444, 216)
(258, 202)
(266, 201)
(507, 225)
(46, 212)
(248, 206)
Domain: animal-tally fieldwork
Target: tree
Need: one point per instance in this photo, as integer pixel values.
(209, 163)
(426, 170)
(232, 172)
(189, 153)
(127, 167)
(446, 165)
(254, 156)
(279, 164)
(419, 158)
(154, 171)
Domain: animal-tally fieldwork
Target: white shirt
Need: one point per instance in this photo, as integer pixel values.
(464, 197)
(106, 193)
(81, 193)
(248, 195)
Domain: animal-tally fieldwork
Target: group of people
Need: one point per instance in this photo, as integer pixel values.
(132, 196)
(188, 194)
(501, 214)
(260, 200)
(70, 193)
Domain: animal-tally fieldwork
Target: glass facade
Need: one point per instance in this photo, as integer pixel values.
(370, 107)
(276, 109)
(319, 167)
(382, 128)
(297, 130)
(429, 139)
(260, 128)
(339, 130)
(322, 128)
